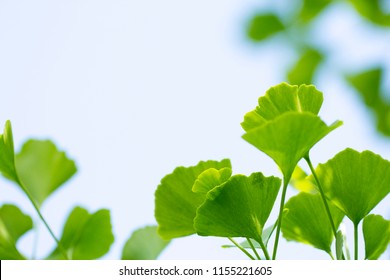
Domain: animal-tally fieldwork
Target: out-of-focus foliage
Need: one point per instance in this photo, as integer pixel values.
(295, 26)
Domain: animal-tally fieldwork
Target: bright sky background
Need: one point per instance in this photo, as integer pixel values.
(132, 89)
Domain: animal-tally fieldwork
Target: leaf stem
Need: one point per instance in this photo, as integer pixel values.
(356, 239)
(42, 218)
(241, 248)
(285, 184)
(307, 158)
(253, 248)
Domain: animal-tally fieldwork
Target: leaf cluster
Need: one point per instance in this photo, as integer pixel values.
(39, 170)
(208, 200)
(295, 26)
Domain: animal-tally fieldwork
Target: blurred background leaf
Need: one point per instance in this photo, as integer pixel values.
(13, 224)
(144, 244)
(263, 26)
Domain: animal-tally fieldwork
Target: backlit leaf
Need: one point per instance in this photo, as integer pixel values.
(176, 203)
(376, 231)
(307, 221)
(85, 236)
(211, 178)
(304, 69)
(302, 182)
(288, 138)
(263, 26)
(144, 244)
(355, 182)
(7, 154)
(43, 168)
(238, 208)
(13, 224)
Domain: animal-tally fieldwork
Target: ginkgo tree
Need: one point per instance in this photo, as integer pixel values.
(208, 200)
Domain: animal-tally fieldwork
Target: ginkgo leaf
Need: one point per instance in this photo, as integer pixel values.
(211, 178)
(302, 182)
(372, 11)
(355, 182)
(280, 99)
(43, 168)
(13, 224)
(304, 69)
(7, 154)
(376, 231)
(85, 236)
(263, 26)
(238, 208)
(176, 203)
(144, 244)
(266, 235)
(289, 137)
(307, 221)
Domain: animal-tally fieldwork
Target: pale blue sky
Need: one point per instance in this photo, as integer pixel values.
(132, 89)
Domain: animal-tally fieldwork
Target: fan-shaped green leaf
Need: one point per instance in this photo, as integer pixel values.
(355, 182)
(280, 99)
(13, 225)
(211, 178)
(85, 236)
(238, 208)
(302, 182)
(144, 244)
(304, 69)
(43, 168)
(176, 203)
(372, 11)
(376, 231)
(289, 137)
(7, 154)
(263, 26)
(307, 221)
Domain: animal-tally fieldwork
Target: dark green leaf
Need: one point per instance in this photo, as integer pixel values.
(311, 8)
(355, 182)
(304, 69)
(43, 168)
(238, 208)
(263, 26)
(176, 203)
(372, 11)
(13, 225)
(144, 244)
(307, 221)
(86, 236)
(7, 154)
(376, 231)
(288, 138)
